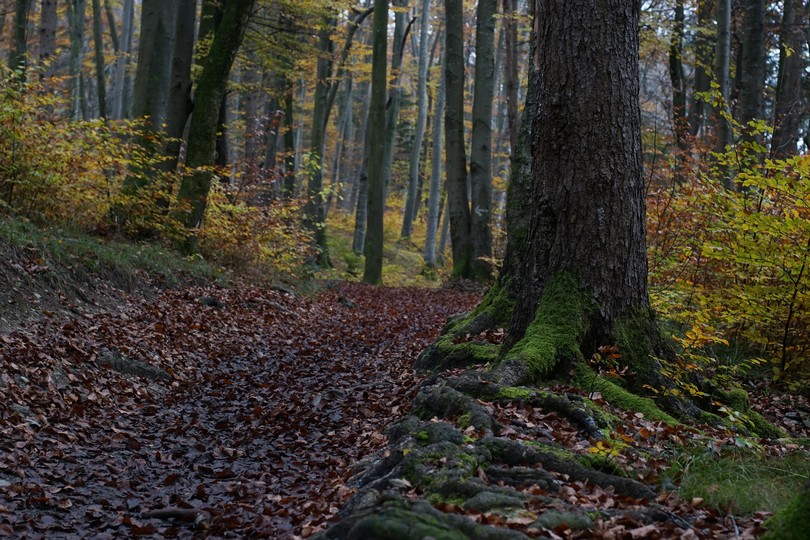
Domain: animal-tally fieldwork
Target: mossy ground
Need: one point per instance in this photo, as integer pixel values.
(743, 481)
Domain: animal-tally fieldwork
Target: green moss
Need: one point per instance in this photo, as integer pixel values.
(762, 427)
(557, 329)
(737, 399)
(513, 392)
(438, 498)
(793, 521)
(421, 436)
(619, 397)
(463, 421)
(638, 340)
(554, 450)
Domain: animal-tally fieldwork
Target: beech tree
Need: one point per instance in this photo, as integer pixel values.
(575, 274)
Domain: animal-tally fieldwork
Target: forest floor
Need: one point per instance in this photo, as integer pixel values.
(244, 411)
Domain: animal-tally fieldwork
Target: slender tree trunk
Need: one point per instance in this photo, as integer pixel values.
(788, 103)
(47, 35)
(76, 19)
(360, 154)
(435, 195)
(16, 57)
(704, 60)
(444, 235)
(179, 104)
(481, 146)
(108, 12)
(251, 98)
(511, 69)
(395, 94)
(680, 125)
(421, 120)
(340, 144)
(315, 218)
(98, 41)
(208, 100)
(753, 64)
(289, 142)
(721, 75)
(342, 173)
(121, 97)
(373, 244)
(457, 200)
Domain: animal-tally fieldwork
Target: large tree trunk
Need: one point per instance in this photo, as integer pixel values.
(481, 145)
(753, 63)
(179, 104)
(211, 85)
(421, 120)
(456, 164)
(373, 245)
(511, 69)
(395, 93)
(788, 104)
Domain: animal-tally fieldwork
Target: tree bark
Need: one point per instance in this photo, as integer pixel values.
(121, 98)
(421, 120)
(435, 195)
(587, 217)
(481, 145)
(721, 74)
(373, 244)
(395, 94)
(16, 57)
(152, 77)
(788, 103)
(98, 42)
(179, 105)
(511, 69)
(680, 125)
(704, 60)
(753, 64)
(47, 35)
(456, 164)
(315, 218)
(208, 99)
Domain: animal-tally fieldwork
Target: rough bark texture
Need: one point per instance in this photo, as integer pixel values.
(587, 197)
(788, 104)
(481, 145)
(373, 244)
(210, 91)
(511, 70)
(122, 79)
(394, 93)
(456, 159)
(151, 93)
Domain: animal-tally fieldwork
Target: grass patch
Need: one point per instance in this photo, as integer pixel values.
(744, 482)
(120, 262)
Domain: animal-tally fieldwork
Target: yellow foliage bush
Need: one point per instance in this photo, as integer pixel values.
(733, 264)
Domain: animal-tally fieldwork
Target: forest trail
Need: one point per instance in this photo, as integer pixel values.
(255, 407)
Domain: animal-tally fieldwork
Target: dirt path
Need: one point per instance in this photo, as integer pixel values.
(250, 424)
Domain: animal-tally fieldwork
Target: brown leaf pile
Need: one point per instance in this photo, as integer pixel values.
(268, 401)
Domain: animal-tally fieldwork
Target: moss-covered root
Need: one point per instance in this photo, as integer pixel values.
(444, 402)
(511, 452)
(482, 386)
(793, 521)
(395, 518)
(552, 339)
(493, 312)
